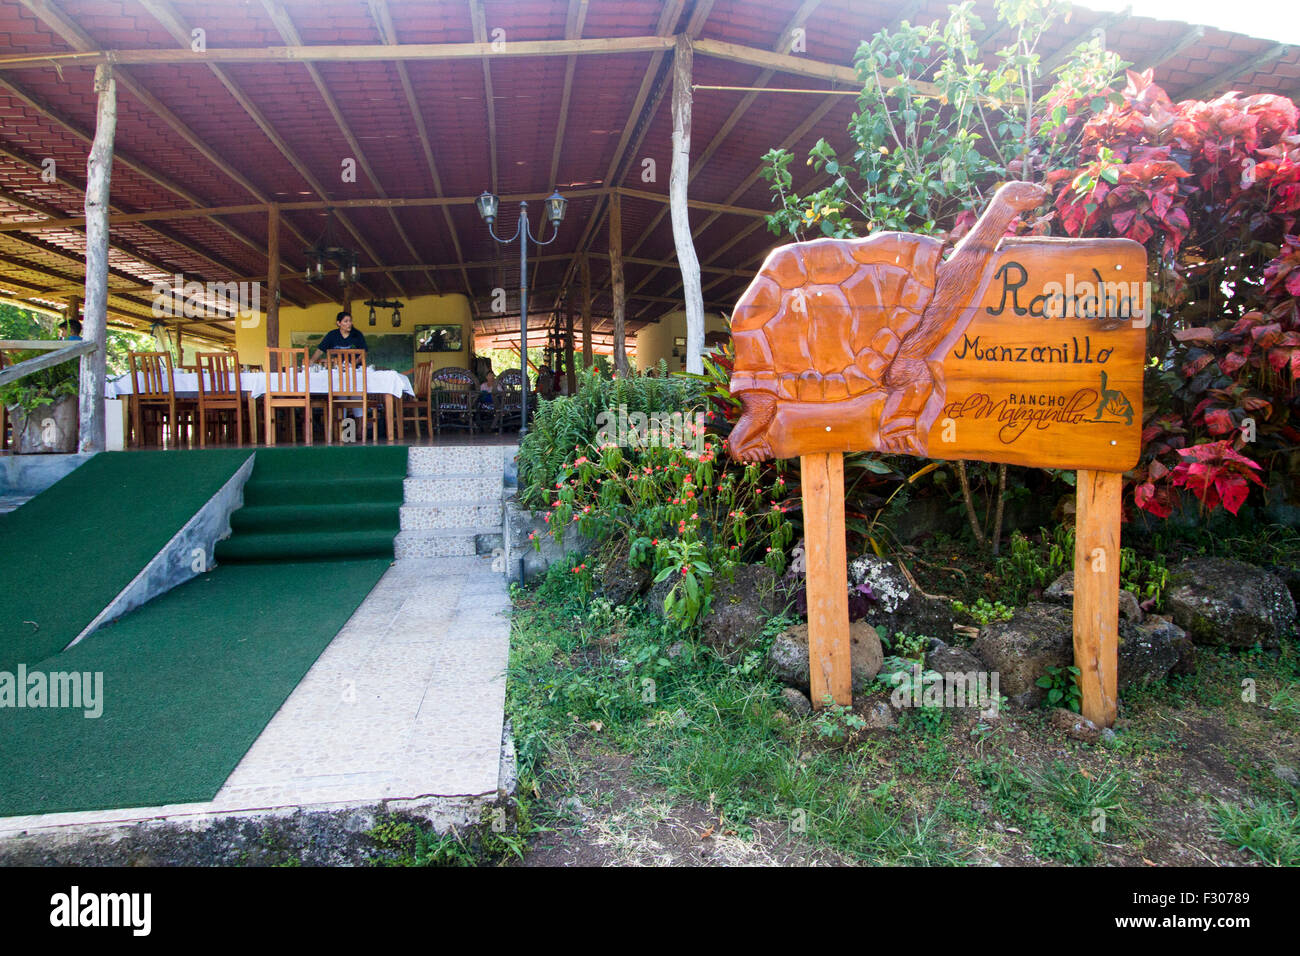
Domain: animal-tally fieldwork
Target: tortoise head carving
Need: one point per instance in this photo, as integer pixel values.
(838, 329)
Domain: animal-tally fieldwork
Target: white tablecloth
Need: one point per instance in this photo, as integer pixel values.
(378, 382)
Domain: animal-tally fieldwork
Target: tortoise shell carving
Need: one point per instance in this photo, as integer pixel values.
(833, 328)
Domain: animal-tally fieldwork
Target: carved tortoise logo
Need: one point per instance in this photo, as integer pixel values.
(837, 329)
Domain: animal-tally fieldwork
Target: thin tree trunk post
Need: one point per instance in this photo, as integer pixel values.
(587, 357)
(570, 373)
(687, 260)
(616, 280)
(273, 276)
(94, 329)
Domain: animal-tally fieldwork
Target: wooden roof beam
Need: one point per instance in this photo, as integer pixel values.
(799, 132)
(384, 23)
(783, 45)
(1218, 83)
(479, 20)
(640, 115)
(1061, 54)
(161, 11)
(284, 25)
(79, 223)
(1188, 38)
(338, 53)
(45, 209)
(157, 179)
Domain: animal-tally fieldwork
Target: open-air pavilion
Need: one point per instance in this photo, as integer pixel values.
(330, 155)
(247, 134)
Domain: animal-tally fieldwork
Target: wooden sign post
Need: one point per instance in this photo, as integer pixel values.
(1024, 351)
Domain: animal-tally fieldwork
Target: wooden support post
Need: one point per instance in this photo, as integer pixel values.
(616, 280)
(687, 261)
(829, 666)
(94, 329)
(1096, 591)
(74, 310)
(273, 276)
(570, 373)
(587, 357)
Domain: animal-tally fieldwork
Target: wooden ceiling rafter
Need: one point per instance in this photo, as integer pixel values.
(1219, 83)
(640, 116)
(1187, 39)
(380, 13)
(783, 45)
(285, 27)
(78, 224)
(802, 130)
(179, 30)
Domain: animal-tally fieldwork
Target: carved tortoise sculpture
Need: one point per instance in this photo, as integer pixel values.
(834, 330)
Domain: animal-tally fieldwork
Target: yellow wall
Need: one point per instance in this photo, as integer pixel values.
(655, 341)
(422, 310)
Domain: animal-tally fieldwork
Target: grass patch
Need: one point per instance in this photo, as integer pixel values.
(1269, 830)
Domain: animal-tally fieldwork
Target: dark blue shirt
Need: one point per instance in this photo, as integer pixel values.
(334, 340)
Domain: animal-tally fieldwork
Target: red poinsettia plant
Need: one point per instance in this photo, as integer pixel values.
(1212, 188)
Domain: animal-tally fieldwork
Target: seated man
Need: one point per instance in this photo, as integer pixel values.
(343, 337)
(73, 329)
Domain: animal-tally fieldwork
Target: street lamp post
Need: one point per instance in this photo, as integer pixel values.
(487, 208)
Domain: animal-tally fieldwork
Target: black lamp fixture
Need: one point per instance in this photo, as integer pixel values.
(326, 250)
(393, 304)
(488, 205)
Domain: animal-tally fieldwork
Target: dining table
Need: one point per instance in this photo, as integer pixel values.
(392, 385)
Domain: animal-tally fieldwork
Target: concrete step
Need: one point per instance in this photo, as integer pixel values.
(442, 460)
(11, 502)
(486, 513)
(468, 486)
(446, 542)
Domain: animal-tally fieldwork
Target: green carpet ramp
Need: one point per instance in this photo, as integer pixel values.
(189, 682)
(69, 551)
(191, 678)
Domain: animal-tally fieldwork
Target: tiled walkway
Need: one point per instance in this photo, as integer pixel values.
(407, 702)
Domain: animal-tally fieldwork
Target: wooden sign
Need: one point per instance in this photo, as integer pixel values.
(1024, 351)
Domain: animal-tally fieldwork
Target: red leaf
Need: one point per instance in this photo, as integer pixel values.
(1231, 362)
(1198, 334)
(1232, 491)
(1218, 421)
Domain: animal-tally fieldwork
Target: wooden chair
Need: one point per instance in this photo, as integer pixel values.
(152, 400)
(419, 408)
(219, 392)
(454, 399)
(288, 387)
(507, 399)
(349, 388)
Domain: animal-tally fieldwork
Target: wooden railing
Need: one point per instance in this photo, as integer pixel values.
(59, 352)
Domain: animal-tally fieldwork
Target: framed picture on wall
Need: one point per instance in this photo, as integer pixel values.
(439, 338)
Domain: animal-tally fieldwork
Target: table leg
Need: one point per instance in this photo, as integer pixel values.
(388, 409)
